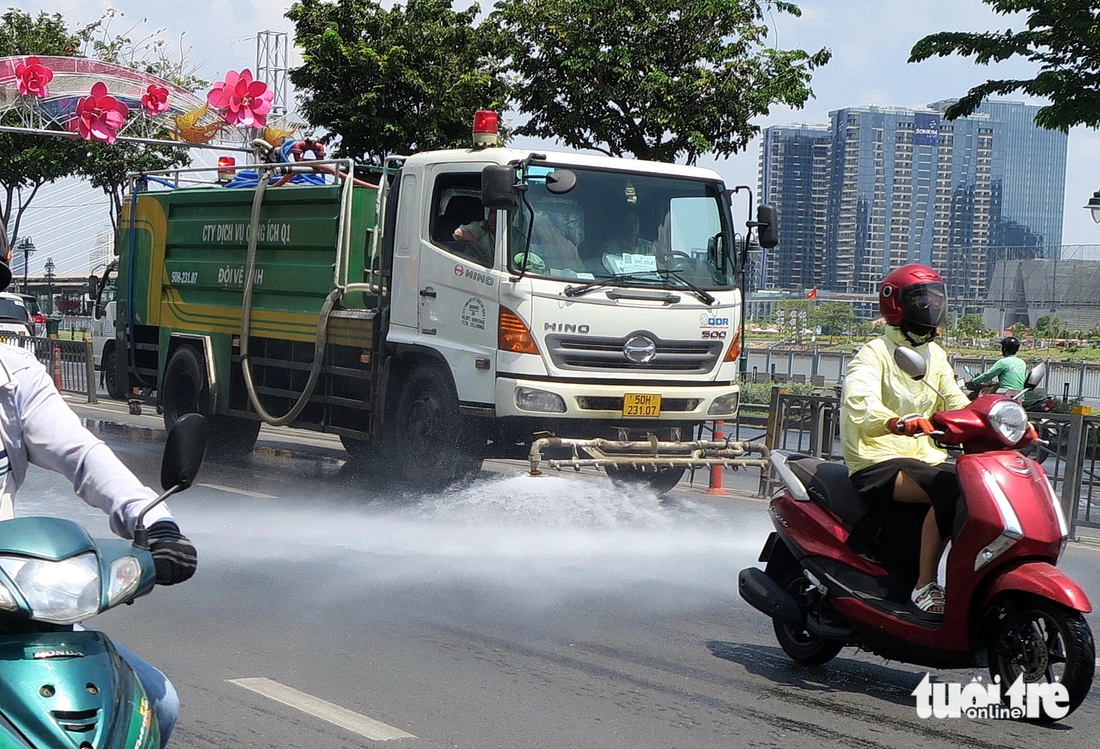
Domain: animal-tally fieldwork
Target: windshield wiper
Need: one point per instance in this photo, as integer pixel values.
(619, 279)
(622, 279)
(701, 294)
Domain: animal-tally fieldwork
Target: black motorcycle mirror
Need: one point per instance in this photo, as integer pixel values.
(183, 453)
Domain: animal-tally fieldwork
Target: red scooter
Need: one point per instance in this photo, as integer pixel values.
(1008, 605)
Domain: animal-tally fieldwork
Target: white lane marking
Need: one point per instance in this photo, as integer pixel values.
(318, 708)
(245, 492)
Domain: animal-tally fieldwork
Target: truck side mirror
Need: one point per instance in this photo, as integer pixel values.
(498, 187)
(93, 286)
(767, 222)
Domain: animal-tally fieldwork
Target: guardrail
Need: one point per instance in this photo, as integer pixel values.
(69, 363)
(1069, 453)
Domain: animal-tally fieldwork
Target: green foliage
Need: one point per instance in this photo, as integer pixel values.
(35, 160)
(1061, 38)
(30, 161)
(398, 80)
(659, 79)
(971, 325)
(149, 54)
(833, 318)
(1048, 326)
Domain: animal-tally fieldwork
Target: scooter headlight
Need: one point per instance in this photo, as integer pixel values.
(62, 592)
(1009, 420)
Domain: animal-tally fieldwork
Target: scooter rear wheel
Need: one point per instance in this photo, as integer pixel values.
(1043, 642)
(797, 642)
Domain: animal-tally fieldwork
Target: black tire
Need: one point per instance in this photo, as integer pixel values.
(799, 644)
(433, 443)
(185, 390)
(1043, 642)
(661, 481)
(110, 376)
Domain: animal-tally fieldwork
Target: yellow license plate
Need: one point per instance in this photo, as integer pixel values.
(641, 404)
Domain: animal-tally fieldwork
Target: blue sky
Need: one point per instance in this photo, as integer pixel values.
(870, 41)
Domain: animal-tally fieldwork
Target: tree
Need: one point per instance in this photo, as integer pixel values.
(1062, 38)
(834, 318)
(659, 79)
(107, 166)
(395, 81)
(31, 161)
(971, 325)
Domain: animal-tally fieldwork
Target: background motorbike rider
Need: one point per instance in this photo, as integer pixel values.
(911, 490)
(1010, 371)
(37, 426)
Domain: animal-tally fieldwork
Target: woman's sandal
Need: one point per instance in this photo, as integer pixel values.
(930, 601)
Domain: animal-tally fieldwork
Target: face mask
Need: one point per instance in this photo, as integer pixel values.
(918, 335)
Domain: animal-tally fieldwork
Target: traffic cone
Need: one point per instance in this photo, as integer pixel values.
(57, 368)
(715, 486)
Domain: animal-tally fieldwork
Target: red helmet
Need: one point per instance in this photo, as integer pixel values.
(913, 294)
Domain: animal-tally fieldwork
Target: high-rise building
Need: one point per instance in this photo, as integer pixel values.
(880, 187)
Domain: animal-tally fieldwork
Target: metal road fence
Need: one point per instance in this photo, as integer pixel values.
(1069, 453)
(1068, 380)
(69, 363)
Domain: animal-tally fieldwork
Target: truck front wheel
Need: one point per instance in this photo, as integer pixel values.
(434, 443)
(185, 390)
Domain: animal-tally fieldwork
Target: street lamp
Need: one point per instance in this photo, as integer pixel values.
(1094, 206)
(26, 246)
(49, 282)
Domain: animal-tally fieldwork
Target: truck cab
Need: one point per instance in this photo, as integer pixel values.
(602, 301)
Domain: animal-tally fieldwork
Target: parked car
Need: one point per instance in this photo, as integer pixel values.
(38, 319)
(15, 318)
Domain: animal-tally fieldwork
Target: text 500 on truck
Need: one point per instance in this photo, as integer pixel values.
(588, 314)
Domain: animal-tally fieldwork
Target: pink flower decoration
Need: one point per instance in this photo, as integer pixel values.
(99, 116)
(246, 101)
(155, 100)
(33, 77)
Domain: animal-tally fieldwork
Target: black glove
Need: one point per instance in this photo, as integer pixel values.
(174, 556)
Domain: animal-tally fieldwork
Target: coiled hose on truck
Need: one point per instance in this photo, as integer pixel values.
(246, 322)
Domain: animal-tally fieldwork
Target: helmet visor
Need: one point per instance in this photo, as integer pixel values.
(925, 304)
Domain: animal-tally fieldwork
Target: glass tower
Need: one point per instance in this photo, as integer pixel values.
(881, 186)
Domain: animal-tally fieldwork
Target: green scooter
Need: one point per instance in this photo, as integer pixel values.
(63, 687)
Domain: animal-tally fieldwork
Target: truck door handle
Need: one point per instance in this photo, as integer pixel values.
(428, 291)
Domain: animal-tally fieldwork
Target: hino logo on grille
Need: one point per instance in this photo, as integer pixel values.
(640, 349)
(562, 327)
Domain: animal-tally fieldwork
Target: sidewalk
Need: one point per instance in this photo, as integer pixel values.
(114, 417)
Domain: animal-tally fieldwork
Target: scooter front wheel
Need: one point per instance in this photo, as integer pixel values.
(1044, 643)
(797, 642)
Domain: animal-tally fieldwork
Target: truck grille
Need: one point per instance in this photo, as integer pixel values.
(607, 354)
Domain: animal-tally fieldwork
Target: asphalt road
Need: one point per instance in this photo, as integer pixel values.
(518, 612)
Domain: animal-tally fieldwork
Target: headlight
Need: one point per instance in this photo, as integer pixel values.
(62, 592)
(530, 399)
(725, 405)
(124, 579)
(1009, 419)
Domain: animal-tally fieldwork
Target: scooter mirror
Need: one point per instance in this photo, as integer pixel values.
(910, 362)
(1036, 375)
(183, 452)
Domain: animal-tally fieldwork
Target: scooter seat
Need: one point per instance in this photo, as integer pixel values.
(827, 483)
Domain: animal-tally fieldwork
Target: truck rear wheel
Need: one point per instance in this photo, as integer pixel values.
(110, 376)
(185, 390)
(661, 481)
(434, 443)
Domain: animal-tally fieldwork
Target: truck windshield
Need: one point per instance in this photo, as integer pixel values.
(630, 229)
